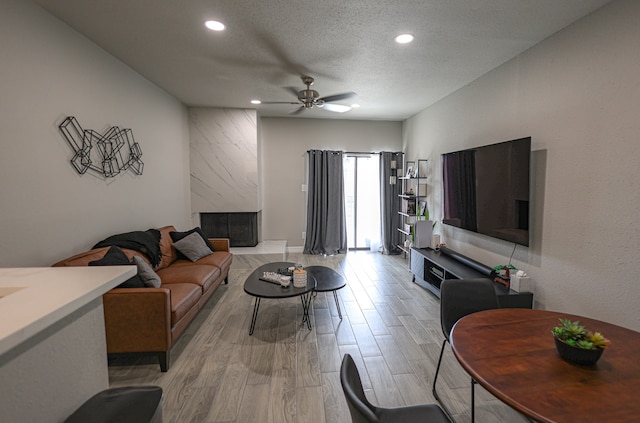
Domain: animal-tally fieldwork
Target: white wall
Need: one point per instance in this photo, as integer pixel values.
(577, 95)
(284, 143)
(48, 211)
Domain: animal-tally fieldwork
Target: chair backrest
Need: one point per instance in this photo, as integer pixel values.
(461, 297)
(362, 411)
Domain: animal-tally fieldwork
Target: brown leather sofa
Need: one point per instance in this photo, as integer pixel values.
(152, 319)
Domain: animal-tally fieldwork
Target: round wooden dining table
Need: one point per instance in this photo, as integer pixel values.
(511, 353)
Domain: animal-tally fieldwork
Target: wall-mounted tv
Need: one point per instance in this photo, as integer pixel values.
(486, 190)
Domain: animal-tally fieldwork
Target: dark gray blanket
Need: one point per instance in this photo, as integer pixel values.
(147, 242)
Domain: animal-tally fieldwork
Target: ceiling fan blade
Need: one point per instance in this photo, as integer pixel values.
(279, 52)
(280, 102)
(339, 108)
(297, 111)
(338, 97)
(292, 90)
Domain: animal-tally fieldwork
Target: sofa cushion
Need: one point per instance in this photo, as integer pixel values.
(177, 236)
(201, 275)
(184, 296)
(193, 247)
(115, 257)
(166, 247)
(146, 273)
(220, 259)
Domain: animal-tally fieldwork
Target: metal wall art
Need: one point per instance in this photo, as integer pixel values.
(117, 151)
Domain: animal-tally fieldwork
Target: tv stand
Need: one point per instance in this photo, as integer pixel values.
(430, 268)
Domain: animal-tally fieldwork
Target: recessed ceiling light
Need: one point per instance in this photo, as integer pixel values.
(256, 102)
(214, 25)
(404, 38)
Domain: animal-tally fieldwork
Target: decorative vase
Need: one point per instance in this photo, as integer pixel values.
(577, 355)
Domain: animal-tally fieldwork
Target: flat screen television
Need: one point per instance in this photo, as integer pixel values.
(486, 190)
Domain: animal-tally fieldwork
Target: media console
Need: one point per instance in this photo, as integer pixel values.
(430, 268)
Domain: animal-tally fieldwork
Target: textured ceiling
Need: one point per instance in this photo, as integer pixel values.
(347, 45)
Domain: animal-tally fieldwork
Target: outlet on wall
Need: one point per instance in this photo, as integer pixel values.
(304, 235)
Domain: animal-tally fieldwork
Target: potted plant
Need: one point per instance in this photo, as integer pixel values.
(502, 274)
(578, 345)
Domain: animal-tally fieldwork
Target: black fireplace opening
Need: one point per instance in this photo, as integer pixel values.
(240, 227)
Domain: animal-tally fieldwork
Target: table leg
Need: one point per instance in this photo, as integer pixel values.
(256, 306)
(335, 297)
(306, 304)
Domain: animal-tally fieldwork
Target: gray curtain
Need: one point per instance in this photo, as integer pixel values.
(389, 203)
(326, 220)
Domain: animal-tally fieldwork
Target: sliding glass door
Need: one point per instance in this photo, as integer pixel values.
(362, 200)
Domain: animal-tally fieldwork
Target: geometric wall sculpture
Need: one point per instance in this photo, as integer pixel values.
(115, 150)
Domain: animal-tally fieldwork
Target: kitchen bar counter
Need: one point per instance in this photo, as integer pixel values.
(53, 353)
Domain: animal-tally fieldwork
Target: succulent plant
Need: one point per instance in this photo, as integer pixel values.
(575, 334)
(598, 340)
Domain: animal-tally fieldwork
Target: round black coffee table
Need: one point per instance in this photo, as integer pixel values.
(258, 288)
(327, 280)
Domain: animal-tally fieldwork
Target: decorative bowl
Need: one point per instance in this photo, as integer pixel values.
(577, 355)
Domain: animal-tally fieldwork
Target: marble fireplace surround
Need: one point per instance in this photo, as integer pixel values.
(223, 160)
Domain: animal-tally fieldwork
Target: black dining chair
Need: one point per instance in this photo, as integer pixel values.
(459, 298)
(124, 404)
(362, 411)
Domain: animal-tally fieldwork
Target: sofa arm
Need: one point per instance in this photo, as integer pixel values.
(137, 319)
(220, 244)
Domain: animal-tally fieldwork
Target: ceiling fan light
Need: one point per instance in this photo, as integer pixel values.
(215, 25)
(338, 108)
(404, 38)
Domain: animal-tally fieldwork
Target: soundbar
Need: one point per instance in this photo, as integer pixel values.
(484, 269)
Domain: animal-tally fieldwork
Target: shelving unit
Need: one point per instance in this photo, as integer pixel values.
(413, 199)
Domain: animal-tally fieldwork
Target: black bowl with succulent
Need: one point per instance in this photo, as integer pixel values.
(578, 345)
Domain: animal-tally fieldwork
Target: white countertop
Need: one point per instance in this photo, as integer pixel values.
(32, 299)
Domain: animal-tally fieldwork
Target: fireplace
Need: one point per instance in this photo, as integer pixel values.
(241, 228)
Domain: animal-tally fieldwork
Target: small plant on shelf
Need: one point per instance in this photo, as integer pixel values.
(576, 335)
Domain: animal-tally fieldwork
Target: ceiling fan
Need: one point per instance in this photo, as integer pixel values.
(309, 98)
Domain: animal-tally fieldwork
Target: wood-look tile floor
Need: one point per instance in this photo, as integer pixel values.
(286, 373)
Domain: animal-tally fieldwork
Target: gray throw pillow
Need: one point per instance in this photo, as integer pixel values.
(146, 273)
(193, 247)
